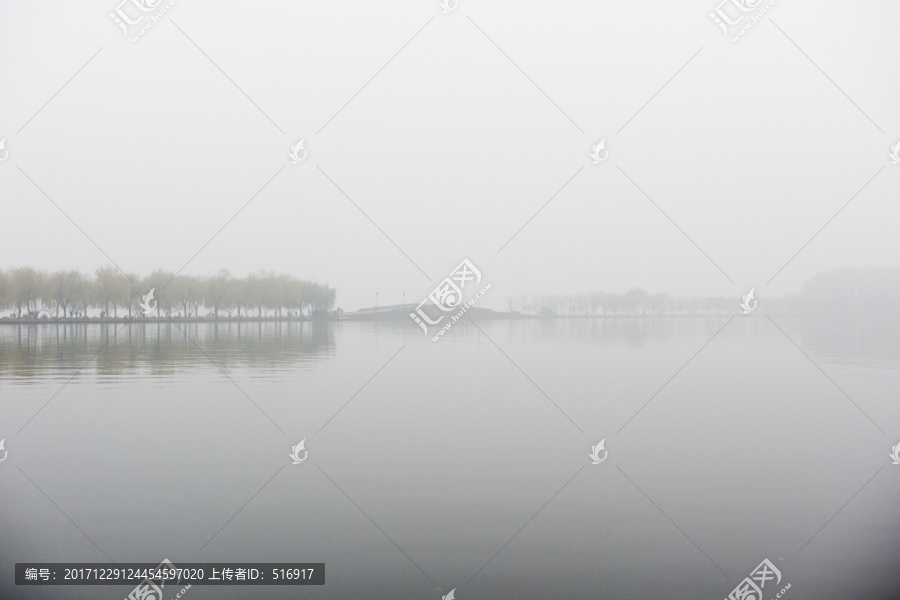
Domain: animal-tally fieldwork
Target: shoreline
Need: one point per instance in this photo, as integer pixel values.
(376, 318)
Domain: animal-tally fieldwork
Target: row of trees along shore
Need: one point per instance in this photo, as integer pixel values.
(71, 294)
(843, 291)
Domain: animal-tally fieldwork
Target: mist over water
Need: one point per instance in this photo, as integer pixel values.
(465, 300)
(151, 449)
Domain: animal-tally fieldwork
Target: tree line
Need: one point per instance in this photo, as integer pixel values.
(71, 294)
(634, 302)
(865, 291)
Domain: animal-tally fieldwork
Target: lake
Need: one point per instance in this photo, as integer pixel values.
(464, 463)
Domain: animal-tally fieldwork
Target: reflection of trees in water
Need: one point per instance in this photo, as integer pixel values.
(32, 350)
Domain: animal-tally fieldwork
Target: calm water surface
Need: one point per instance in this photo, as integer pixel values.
(463, 463)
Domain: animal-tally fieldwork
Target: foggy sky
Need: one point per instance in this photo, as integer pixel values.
(452, 147)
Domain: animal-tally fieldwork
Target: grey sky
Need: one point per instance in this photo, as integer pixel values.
(750, 149)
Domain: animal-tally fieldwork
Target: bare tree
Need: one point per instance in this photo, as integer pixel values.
(6, 296)
(64, 284)
(28, 285)
(217, 292)
(158, 281)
